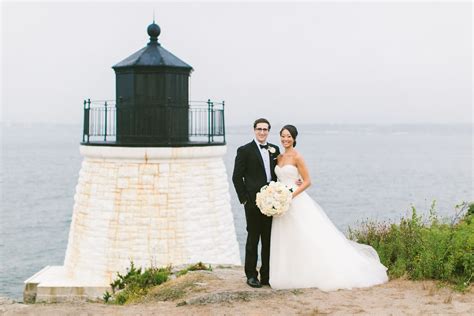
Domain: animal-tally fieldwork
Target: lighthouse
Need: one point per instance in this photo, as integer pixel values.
(153, 186)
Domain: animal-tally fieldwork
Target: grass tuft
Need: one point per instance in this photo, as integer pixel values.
(194, 267)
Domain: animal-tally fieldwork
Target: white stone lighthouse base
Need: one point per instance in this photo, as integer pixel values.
(153, 206)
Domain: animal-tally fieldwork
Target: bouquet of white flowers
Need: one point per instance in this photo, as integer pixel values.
(274, 199)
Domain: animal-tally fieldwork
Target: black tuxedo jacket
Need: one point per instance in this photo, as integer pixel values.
(249, 172)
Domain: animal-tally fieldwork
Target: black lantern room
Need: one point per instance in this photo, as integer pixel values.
(152, 106)
(152, 94)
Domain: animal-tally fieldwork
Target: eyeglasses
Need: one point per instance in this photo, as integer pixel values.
(262, 129)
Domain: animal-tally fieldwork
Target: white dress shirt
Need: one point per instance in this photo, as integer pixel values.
(266, 160)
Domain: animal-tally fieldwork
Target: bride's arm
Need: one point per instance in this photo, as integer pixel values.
(303, 170)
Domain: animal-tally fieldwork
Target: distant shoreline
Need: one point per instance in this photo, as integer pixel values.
(242, 125)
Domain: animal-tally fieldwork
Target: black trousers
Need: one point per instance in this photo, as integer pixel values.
(259, 226)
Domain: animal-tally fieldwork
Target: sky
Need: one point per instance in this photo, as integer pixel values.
(309, 62)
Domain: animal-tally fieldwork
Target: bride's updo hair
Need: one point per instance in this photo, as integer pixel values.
(293, 131)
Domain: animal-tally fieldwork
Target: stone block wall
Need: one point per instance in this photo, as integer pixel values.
(155, 206)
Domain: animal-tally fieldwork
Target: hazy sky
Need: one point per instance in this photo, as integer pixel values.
(316, 62)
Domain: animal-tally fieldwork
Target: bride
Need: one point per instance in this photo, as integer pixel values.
(306, 249)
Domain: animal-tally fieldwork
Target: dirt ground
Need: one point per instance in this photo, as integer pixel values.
(224, 292)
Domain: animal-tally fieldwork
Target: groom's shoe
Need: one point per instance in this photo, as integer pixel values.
(253, 282)
(265, 282)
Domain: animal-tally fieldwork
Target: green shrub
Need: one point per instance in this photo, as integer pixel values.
(432, 249)
(135, 283)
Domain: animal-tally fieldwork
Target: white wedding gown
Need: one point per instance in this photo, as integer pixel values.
(307, 250)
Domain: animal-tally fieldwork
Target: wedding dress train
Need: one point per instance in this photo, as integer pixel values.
(307, 250)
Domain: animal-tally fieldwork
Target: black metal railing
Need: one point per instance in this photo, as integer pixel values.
(198, 123)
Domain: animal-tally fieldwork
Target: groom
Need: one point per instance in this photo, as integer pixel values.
(254, 167)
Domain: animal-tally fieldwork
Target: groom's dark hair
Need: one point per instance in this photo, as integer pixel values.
(262, 120)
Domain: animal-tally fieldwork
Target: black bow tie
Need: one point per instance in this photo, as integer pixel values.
(264, 146)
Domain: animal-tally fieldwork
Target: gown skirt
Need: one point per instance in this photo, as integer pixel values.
(307, 250)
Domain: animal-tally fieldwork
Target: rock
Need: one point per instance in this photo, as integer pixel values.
(227, 296)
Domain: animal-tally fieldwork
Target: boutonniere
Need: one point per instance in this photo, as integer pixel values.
(271, 149)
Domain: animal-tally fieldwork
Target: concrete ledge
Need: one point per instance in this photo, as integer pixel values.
(53, 285)
(55, 294)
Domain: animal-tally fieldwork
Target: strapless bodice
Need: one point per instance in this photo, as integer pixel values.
(287, 174)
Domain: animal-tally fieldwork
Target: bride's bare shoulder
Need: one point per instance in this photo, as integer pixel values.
(298, 157)
(297, 154)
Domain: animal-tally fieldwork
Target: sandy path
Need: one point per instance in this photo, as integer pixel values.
(224, 292)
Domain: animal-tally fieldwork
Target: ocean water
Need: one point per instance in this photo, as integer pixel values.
(357, 171)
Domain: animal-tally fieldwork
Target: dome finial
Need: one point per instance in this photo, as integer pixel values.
(153, 31)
